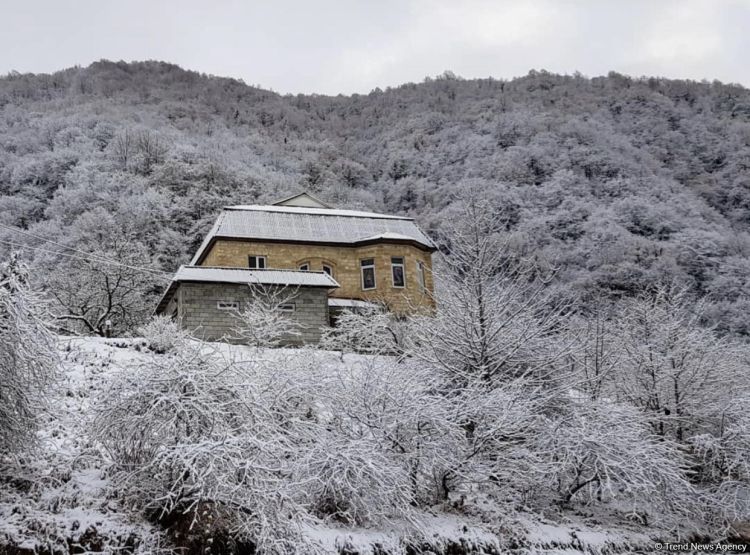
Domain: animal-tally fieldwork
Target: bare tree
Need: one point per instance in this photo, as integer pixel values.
(123, 148)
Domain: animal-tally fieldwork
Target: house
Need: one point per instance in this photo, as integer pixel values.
(335, 260)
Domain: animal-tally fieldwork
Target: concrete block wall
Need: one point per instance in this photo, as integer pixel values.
(198, 312)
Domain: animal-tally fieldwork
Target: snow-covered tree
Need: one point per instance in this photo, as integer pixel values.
(495, 313)
(680, 373)
(28, 358)
(262, 322)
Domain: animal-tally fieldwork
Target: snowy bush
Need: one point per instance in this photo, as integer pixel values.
(162, 334)
(192, 437)
(371, 330)
(355, 481)
(262, 323)
(28, 359)
(602, 451)
(382, 438)
(724, 469)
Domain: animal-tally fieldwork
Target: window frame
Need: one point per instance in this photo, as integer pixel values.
(362, 268)
(395, 265)
(304, 267)
(330, 269)
(257, 257)
(421, 275)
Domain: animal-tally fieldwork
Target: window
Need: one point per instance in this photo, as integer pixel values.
(305, 267)
(256, 262)
(397, 271)
(368, 273)
(328, 270)
(420, 274)
(227, 305)
(286, 307)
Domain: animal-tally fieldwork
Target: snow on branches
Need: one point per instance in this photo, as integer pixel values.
(28, 359)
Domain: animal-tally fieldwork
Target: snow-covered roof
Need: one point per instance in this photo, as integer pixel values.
(311, 225)
(314, 211)
(260, 277)
(349, 303)
(210, 274)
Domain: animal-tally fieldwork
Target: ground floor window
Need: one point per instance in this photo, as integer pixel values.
(368, 273)
(420, 274)
(228, 305)
(256, 262)
(328, 270)
(305, 267)
(287, 307)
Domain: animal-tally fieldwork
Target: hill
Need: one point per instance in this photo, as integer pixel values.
(619, 183)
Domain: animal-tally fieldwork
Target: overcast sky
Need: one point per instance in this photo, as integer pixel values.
(351, 46)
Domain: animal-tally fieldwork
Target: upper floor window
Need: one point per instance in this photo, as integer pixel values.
(227, 305)
(304, 267)
(420, 274)
(328, 270)
(397, 271)
(256, 262)
(368, 273)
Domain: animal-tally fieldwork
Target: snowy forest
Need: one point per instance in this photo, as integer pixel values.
(582, 386)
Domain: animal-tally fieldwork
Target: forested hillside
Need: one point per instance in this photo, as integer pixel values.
(616, 183)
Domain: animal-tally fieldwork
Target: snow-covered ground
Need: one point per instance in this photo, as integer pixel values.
(65, 503)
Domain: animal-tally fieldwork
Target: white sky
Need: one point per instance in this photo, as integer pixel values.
(347, 46)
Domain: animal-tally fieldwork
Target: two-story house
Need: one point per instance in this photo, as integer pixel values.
(335, 259)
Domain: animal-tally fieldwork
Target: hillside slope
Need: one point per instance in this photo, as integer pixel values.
(66, 500)
(620, 183)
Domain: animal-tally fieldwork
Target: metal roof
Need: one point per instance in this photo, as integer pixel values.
(311, 225)
(260, 277)
(209, 274)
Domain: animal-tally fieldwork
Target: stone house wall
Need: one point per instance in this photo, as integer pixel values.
(198, 313)
(345, 262)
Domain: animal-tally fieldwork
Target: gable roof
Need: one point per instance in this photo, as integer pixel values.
(312, 225)
(210, 274)
(303, 199)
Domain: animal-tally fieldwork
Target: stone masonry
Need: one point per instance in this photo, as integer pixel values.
(198, 313)
(345, 262)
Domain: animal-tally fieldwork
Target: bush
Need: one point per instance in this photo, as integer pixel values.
(191, 437)
(163, 335)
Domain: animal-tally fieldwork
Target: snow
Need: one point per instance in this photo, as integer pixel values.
(321, 225)
(72, 493)
(262, 277)
(349, 303)
(315, 211)
(389, 235)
